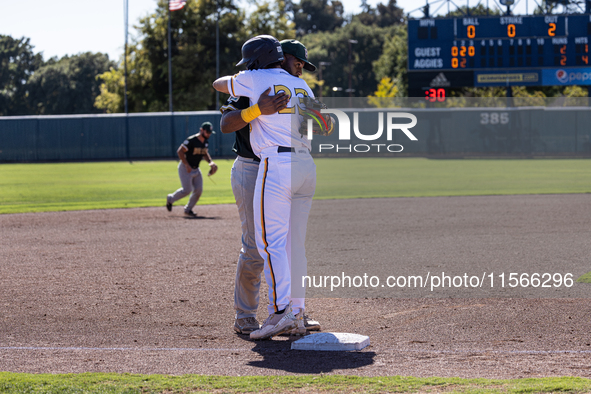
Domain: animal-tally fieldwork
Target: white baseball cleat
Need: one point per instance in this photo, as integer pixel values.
(275, 324)
(304, 324)
(311, 324)
(300, 328)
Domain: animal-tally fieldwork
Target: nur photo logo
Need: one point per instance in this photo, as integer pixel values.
(357, 131)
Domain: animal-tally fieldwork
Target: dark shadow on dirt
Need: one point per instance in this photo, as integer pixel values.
(201, 217)
(278, 355)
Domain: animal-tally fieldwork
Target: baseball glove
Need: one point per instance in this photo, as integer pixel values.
(322, 124)
(213, 168)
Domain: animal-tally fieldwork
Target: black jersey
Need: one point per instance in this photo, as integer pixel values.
(195, 150)
(242, 142)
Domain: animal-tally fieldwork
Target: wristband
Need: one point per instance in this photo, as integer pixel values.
(251, 113)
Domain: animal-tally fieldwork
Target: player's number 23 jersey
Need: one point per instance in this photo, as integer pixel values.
(279, 129)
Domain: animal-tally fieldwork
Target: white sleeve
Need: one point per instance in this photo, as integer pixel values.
(241, 84)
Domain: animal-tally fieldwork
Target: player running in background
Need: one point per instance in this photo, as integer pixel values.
(285, 184)
(243, 179)
(190, 153)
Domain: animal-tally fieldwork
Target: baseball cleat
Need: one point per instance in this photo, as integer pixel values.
(190, 214)
(246, 325)
(304, 324)
(299, 329)
(275, 324)
(168, 205)
(311, 324)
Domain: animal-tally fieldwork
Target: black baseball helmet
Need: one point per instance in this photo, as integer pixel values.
(260, 51)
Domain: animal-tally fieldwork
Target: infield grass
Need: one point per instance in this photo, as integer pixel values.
(126, 383)
(101, 185)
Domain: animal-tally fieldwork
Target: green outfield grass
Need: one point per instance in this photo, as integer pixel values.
(80, 186)
(417, 177)
(125, 383)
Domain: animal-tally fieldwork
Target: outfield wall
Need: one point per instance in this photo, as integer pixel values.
(441, 132)
(105, 137)
(474, 132)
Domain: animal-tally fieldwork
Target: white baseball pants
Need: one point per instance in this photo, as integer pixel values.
(284, 189)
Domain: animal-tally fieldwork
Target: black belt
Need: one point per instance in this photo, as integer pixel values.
(253, 158)
(282, 149)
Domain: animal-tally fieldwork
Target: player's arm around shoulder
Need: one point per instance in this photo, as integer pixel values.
(221, 84)
(233, 119)
(241, 84)
(225, 84)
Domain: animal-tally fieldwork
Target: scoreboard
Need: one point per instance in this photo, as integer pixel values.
(500, 50)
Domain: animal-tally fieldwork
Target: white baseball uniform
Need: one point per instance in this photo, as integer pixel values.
(285, 184)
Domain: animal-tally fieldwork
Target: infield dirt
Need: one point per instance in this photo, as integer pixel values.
(147, 291)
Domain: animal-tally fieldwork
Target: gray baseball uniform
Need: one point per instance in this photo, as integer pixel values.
(243, 180)
(191, 182)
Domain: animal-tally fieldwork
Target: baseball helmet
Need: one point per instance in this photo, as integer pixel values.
(260, 51)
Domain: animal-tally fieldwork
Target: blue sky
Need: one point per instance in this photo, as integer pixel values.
(67, 27)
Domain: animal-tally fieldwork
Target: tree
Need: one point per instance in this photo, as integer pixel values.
(382, 98)
(393, 60)
(193, 58)
(270, 18)
(479, 10)
(312, 16)
(382, 16)
(68, 85)
(17, 64)
(333, 47)
(559, 7)
(111, 97)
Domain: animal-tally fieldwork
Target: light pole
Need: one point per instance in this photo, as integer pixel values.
(321, 64)
(350, 71)
(169, 64)
(125, 103)
(217, 52)
(126, 16)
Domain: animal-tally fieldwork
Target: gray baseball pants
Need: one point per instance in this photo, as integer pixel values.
(250, 263)
(192, 183)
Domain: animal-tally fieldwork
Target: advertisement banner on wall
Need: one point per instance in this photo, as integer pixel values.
(566, 76)
(507, 78)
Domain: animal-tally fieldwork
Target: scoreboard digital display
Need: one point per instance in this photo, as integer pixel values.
(493, 42)
(502, 50)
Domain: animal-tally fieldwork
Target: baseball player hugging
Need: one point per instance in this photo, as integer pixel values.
(285, 185)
